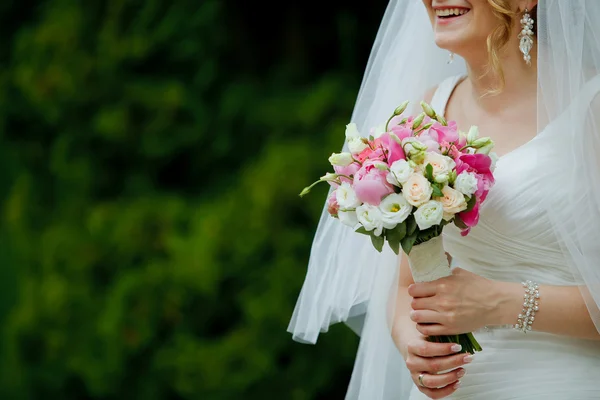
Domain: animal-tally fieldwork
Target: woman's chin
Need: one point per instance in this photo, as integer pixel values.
(453, 42)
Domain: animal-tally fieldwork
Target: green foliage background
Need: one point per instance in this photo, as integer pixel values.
(151, 153)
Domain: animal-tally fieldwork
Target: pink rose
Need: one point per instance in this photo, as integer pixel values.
(332, 204)
(370, 184)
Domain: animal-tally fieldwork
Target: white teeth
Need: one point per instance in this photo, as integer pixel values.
(450, 11)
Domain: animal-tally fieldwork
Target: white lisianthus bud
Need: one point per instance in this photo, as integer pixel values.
(442, 178)
(494, 158)
(417, 190)
(400, 171)
(346, 197)
(348, 218)
(429, 214)
(484, 141)
(394, 210)
(412, 164)
(466, 183)
(401, 108)
(381, 166)
(473, 134)
(329, 177)
(453, 202)
(485, 149)
(418, 121)
(428, 110)
(370, 218)
(341, 159)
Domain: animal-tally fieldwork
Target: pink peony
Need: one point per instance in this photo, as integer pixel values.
(470, 218)
(332, 204)
(394, 149)
(370, 184)
(350, 170)
(429, 141)
(443, 133)
(479, 163)
(401, 132)
(370, 154)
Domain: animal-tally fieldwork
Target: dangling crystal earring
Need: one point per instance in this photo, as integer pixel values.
(526, 36)
(450, 58)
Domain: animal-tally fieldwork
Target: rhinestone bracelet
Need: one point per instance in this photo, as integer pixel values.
(530, 306)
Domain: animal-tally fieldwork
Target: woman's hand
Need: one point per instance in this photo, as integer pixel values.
(461, 303)
(429, 359)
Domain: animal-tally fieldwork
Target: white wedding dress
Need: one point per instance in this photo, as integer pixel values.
(514, 242)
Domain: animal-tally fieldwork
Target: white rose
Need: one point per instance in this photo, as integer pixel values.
(494, 158)
(453, 202)
(466, 183)
(473, 134)
(346, 197)
(341, 159)
(352, 132)
(355, 143)
(400, 171)
(394, 210)
(442, 165)
(370, 218)
(348, 218)
(429, 214)
(417, 189)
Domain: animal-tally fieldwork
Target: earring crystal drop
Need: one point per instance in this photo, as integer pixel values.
(526, 37)
(450, 58)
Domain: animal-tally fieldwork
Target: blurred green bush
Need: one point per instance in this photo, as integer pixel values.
(151, 153)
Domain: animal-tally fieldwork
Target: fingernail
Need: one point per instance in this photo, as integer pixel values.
(456, 385)
(461, 373)
(468, 358)
(456, 348)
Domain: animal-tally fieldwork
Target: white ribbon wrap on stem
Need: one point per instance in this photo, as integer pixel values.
(428, 261)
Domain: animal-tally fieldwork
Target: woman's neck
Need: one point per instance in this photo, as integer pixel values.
(520, 79)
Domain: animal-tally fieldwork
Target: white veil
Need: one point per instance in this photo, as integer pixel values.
(347, 280)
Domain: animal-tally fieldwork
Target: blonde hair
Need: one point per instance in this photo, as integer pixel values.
(497, 40)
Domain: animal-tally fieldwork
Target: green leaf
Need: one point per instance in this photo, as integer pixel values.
(378, 242)
(429, 172)
(408, 242)
(411, 225)
(397, 233)
(437, 192)
(394, 245)
(471, 203)
(362, 231)
(371, 138)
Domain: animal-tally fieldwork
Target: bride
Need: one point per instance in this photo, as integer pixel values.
(527, 75)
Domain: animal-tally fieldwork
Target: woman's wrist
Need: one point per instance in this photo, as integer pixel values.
(507, 300)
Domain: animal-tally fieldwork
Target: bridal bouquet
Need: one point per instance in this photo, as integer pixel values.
(405, 182)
